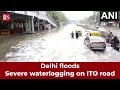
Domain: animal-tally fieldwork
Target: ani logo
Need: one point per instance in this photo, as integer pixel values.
(109, 16)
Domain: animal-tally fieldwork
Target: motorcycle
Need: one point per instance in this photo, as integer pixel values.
(108, 39)
(115, 46)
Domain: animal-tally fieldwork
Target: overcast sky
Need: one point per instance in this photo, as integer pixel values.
(77, 15)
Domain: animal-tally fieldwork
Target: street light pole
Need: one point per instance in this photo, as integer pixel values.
(95, 19)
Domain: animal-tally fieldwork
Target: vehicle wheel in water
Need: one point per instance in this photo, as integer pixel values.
(111, 46)
(104, 50)
(117, 49)
(89, 47)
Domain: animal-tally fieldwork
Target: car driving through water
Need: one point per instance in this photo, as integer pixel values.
(95, 43)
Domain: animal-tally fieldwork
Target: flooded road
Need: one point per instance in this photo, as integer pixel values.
(53, 46)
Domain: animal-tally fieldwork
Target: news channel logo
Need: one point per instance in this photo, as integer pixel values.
(6, 17)
(106, 16)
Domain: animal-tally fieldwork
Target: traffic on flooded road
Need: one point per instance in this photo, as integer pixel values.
(56, 46)
(58, 36)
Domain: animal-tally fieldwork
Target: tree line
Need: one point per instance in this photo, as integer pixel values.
(58, 16)
(96, 17)
(93, 18)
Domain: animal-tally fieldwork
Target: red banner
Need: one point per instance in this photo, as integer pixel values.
(59, 70)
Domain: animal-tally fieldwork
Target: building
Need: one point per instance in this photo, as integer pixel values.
(30, 21)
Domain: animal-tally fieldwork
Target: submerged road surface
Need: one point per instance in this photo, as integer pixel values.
(56, 46)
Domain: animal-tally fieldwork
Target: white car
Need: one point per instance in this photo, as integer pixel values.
(103, 32)
(95, 43)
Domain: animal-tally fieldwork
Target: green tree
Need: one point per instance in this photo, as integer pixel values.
(58, 16)
(94, 17)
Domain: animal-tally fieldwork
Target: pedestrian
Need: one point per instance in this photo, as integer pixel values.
(77, 35)
(72, 35)
(97, 27)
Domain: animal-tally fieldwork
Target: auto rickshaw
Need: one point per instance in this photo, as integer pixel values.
(94, 33)
(79, 32)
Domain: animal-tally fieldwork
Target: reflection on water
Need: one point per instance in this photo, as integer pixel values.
(13, 43)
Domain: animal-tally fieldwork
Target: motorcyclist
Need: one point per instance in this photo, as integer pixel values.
(110, 37)
(115, 41)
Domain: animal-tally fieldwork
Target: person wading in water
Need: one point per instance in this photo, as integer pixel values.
(77, 35)
(72, 35)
